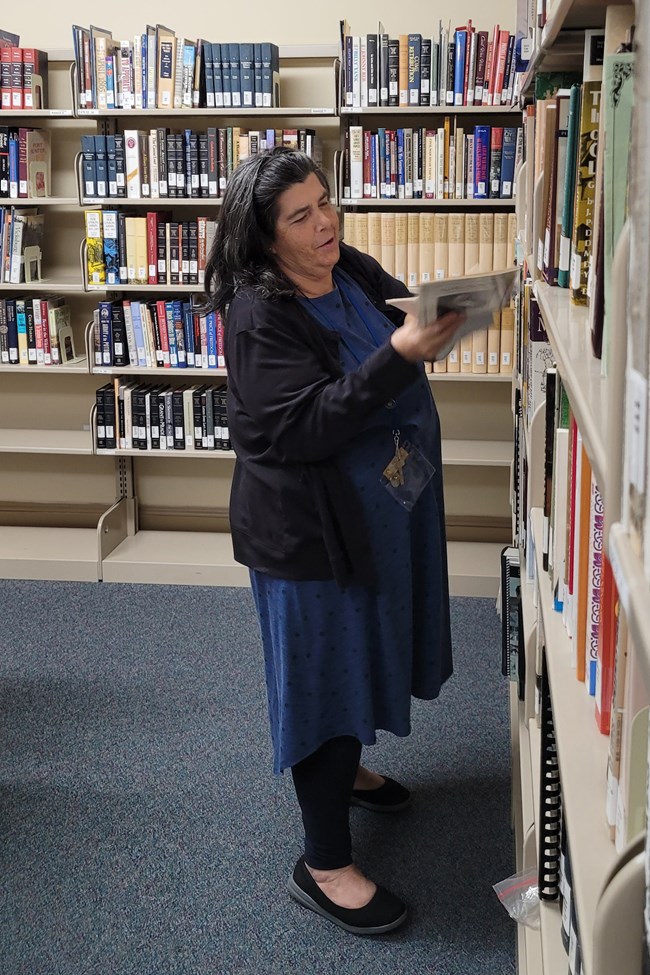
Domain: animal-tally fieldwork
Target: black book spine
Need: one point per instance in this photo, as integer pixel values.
(393, 72)
(193, 244)
(120, 347)
(109, 417)
(182, 169)
(223, 416)
(213, 163)
(120, 165)
(121, 248)
(425, 71)
(163, 171)
(550, 799)
(178, 419)
(31, 331)
(184, 228)
(203, 164)
(100, 418)
(383, 70)
(198, 422)
(193, 171)
(170, 143)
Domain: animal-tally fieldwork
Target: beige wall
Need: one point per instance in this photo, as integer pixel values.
(281, 21)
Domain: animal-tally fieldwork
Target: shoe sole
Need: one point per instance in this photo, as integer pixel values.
(376, 807)
(305, 900)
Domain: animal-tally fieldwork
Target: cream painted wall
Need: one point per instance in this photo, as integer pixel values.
(284, 21)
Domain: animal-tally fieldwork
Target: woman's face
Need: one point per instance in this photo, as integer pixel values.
(306, 241)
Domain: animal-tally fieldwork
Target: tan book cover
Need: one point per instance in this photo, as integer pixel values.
(441, 244)
(494, 343)
(374, 234)
(440, 365)
(500, 251)
(129, 225)
(466, 345)
(166, 40)
(507, 339)
(428, 368)
(362, 232)
(456, 245)
(427, 246)
(486, 242)
(413, 255)
(480, 350)
(350, 228)
(453, 359)
(472, 224)
(388, 242)
(512, 233)
(403, 70)
(401, 247)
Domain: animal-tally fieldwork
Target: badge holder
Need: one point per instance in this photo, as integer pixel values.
(407, 474)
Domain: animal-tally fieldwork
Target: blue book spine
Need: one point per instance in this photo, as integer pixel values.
(110, 83)
(208, 71)
(508, 162)
(21, 326)
(188, 332)
(179, 333)
(211, 336)
(235, 76)
(401, 176)
(106, 332)
(460, 53)
(257, 74)
(373, 165)
(144, 69)
(247, 65)
(267, 75)
(89, 165)
(481, 161)
(217, 76)
(138, 332)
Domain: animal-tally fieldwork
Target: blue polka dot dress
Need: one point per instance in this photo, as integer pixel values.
(347, 661)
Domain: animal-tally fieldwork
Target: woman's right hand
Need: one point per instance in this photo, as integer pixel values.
(418, 343)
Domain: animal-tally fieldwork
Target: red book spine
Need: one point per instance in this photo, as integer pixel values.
(161, 312)
(500, 71)
(606, 648)
(5, 77)
(17, 77)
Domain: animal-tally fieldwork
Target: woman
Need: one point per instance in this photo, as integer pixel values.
(346, 550)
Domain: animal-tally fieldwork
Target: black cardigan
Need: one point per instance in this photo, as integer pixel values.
(291, 409)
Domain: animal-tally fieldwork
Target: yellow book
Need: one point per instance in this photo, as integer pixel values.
(141, 262)
(500, 251)
(350, 228)
(413, 249)
(480, 350)
(456, 245)
(95, 264)
(512, 233)
(130, 231)
(494, 343)
(362, 232)
(471, 242)
(374, 234)
(441, 245)
(427, 246)
(453, 359)
(486, 241)
(388, 242)
(440, 365)
(401, 247)
(507, 339)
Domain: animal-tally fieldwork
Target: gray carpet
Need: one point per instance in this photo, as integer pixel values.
(143, 832)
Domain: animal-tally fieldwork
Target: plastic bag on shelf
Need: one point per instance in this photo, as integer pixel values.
(519, 895)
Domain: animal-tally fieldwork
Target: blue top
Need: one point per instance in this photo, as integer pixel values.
(347, 661)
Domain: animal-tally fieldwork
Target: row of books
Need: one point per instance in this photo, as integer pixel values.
(35, 331)
(23, 77)
(168, 333)
(25, 163)
(157, 69)
(460, 67)
(488, 350)
(21, 239)
(148, 250)
(417, 247)
(160, 164)
(432, 164)
(131, 415)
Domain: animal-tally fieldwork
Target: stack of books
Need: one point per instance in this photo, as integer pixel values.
(157, 69)
(23, 75)
(25, 163)
(35, 332)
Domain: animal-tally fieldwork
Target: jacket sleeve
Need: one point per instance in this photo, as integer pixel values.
(283, 386)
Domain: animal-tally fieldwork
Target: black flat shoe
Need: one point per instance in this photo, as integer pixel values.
(388, 798)
(383, 913)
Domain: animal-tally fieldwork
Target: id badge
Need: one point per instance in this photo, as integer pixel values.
(407, 473)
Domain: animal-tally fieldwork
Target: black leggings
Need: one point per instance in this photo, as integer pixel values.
(323, 783)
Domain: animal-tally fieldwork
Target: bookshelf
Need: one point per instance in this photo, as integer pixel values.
(607, 878)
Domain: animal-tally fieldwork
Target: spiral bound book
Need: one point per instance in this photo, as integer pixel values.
(550, 798)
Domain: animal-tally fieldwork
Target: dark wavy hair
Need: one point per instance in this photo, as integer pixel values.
(241, 255)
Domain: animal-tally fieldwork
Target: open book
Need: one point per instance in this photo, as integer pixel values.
(477, 296)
